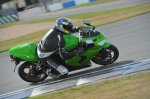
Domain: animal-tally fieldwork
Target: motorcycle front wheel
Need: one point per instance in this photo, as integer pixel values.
(106, 56)
(28, 72)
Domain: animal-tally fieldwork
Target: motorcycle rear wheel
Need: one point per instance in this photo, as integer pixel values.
(27, 72)
(106, 56)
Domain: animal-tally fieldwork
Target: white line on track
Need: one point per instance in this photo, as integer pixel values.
(74, 77)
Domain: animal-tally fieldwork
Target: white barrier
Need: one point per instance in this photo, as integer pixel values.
(55, 7)
(78, 2)
(67, 4)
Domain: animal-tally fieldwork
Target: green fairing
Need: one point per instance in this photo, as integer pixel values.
(107, 44)
(71, 42)
(26, 51)
(74, 62)
(89, 53)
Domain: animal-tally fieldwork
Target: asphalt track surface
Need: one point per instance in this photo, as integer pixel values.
(130, 36)
(36, 13)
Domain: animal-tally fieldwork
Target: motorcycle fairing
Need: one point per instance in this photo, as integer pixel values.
(84, 58)
(71, 42)
(26, 51)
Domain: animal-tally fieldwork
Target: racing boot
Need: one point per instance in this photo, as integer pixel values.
(62, 70)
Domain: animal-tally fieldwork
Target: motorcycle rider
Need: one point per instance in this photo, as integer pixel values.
(54, 41)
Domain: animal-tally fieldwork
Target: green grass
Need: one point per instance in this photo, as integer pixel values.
(131, 87)
(96, 18)
(93, 14)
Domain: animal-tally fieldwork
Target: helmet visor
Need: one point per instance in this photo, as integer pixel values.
(68, 27)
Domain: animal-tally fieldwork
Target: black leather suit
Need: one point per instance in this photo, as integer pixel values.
(51, 42)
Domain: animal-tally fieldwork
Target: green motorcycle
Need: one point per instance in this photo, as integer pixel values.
(96, 49)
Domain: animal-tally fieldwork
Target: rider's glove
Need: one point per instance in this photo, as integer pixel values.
(80, 50)
(76, 29)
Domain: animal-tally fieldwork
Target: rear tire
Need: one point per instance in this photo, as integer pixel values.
(25, 73)
(106, 56)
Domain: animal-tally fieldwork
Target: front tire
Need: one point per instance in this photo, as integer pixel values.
(28, 72)
(106, 56)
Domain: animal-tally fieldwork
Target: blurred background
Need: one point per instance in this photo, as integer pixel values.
(9, 8)
(21, 5)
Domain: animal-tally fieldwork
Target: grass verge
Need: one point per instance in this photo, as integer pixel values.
(131, 87)
(96, 18)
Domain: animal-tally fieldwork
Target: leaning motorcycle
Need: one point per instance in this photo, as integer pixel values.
(96, 49)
